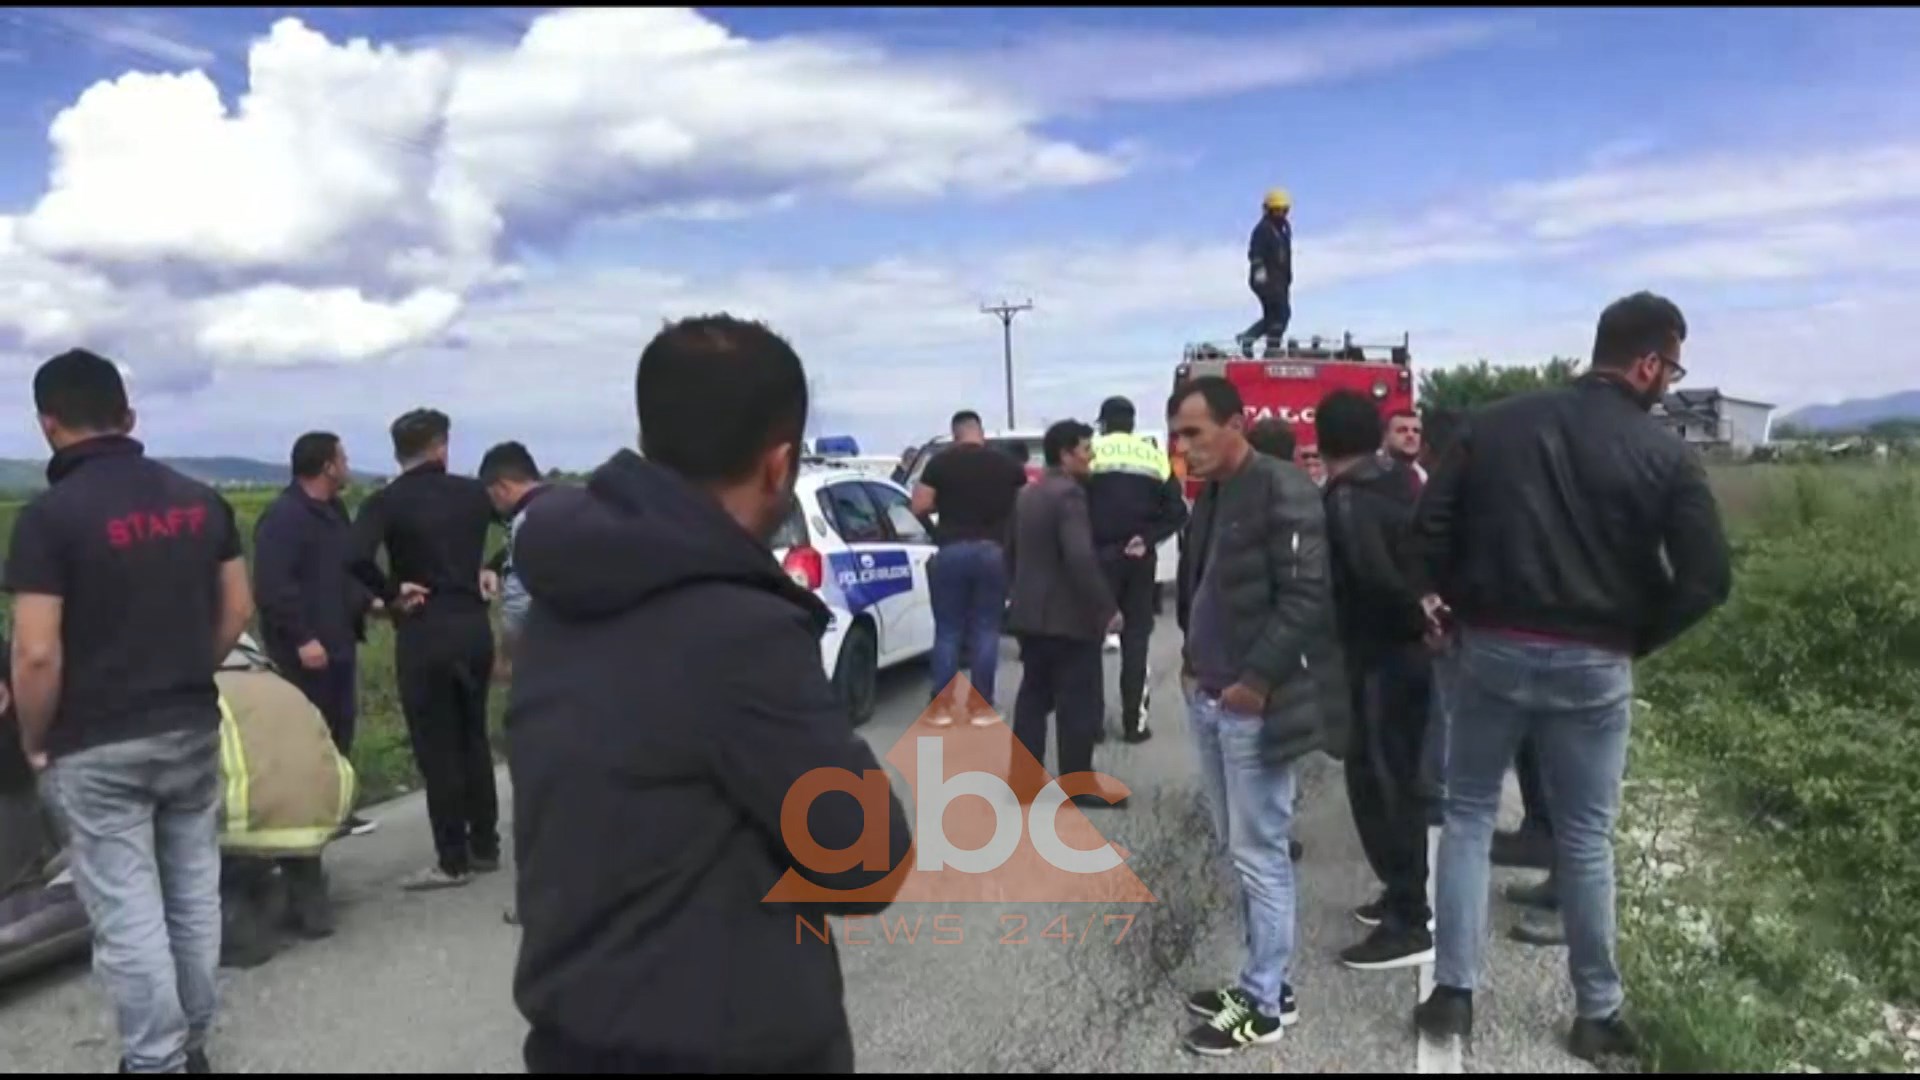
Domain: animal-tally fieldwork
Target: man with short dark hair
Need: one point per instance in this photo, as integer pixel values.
(312, 611)
(1135, 503)
(1401, 446)
(129, 591)
(972, 487)
(670, 694)
(1567, 535)
(1262, 674)
(1369, 509)
(1273, 437)
(433, 526)
(513, 483)
(1061, 609)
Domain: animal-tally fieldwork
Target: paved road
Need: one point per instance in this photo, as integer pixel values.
(422, 983)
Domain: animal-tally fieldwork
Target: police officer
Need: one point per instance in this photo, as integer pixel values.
(1270, 273)
(1135, 503)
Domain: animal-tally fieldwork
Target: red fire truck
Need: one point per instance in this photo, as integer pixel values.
(1289, 383)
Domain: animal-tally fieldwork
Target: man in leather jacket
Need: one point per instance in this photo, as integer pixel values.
(1567, 534)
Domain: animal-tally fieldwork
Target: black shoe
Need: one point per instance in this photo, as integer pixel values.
(197, 1063)
(1371, 914)
(1235, 1028)
(1447, 1012)
(1525, 849)
(1592, 1040)
(1538, 927)
(355, 826)
(1100, 734)
(1208, 1003)
(1294, 850)
(1136, 736)
(1390, 947)
(1543, 895)
(1095, 802)
(482, 864)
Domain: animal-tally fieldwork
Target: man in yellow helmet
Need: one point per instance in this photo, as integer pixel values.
(1270, 273)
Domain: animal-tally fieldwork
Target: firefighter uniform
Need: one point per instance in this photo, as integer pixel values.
(1132, 493)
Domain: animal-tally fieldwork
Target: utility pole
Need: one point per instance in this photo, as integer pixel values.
(1005, 312)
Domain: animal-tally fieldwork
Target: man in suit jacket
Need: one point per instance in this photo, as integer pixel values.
(1062, 609)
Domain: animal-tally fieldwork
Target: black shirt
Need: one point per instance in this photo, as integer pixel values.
(300, 581)
(134, 551)
(974, 488)
(434, 527)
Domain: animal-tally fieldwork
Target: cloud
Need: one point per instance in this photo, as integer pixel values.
(1085, 67)
(117, 32)
(278, 324)
(1792, 250)
(1716, 190)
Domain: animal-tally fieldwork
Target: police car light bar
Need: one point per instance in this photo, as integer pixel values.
(836, 446)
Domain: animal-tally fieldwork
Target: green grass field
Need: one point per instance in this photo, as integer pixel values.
(381, 754)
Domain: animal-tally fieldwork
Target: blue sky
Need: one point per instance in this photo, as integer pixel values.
(490, 210)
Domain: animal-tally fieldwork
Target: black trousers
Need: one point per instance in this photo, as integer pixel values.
(1132, 583)
(1533, 789)
(1276, 311)
(1063, 676)
(334, 690)
(547, 1052)
(1383, 777)
(445, 668)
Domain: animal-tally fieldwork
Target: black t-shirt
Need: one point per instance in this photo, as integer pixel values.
(134, 551)
(974, 489)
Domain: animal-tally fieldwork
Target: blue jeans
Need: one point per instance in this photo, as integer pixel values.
(1252, 808)
(143, 819)
(1576, 702)
(968, 583)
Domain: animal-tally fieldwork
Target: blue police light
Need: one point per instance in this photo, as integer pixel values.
(836, 446)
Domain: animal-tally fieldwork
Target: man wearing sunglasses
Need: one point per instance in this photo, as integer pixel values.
(1565, 534)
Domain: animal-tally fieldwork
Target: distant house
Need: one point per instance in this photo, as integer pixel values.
(1712, 420)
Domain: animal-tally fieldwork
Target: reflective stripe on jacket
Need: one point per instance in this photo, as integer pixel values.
(287, 788)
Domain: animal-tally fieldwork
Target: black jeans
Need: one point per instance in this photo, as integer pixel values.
(547, 1052)
(445, 668)
(1132, 583)
(1383, 778)
(1276, 311)
(334, 690)
(1064, 676)
(1533, 789)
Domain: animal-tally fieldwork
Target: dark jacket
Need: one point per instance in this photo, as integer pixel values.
(1058, 588)
(301, 583)
(434, 526)
(667, 696)
(1369, 518)
(1272, 558)
(1271, 248)
(1569, 512)
(1132, 492)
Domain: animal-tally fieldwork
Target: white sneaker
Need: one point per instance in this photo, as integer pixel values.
(1113, 642)
(433, 878)
(940, 718)
(984, 719)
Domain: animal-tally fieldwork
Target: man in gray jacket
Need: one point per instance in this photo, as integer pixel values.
(1061, 610)
(1262, 675)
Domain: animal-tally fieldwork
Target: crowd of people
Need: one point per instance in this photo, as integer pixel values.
(1422, 611)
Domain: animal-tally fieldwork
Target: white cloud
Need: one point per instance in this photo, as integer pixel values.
(278, 324)
(115, 31)
(1792, 250)
(1716, 190)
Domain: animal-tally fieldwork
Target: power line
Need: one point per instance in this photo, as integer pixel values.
(1005, 312)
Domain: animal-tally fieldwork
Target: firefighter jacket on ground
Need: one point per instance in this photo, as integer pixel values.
(287, 788)
(1132, 491)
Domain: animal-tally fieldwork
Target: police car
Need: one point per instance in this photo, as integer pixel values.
(853, 540)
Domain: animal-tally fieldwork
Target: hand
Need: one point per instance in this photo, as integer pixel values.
(1259, 274)
(1137, 548)
(489, 585)
(1437, 612)
(1244, 700)
(1114, 624)
(411, 598)
(313, 656)
(37, 761)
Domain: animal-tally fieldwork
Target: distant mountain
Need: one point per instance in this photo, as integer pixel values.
(1857, 414)
(18, 476)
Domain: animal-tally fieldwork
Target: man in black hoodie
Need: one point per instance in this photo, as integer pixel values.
(669, 695)
(1369, 511)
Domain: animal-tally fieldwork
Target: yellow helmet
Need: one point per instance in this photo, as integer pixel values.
(1278, 199)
